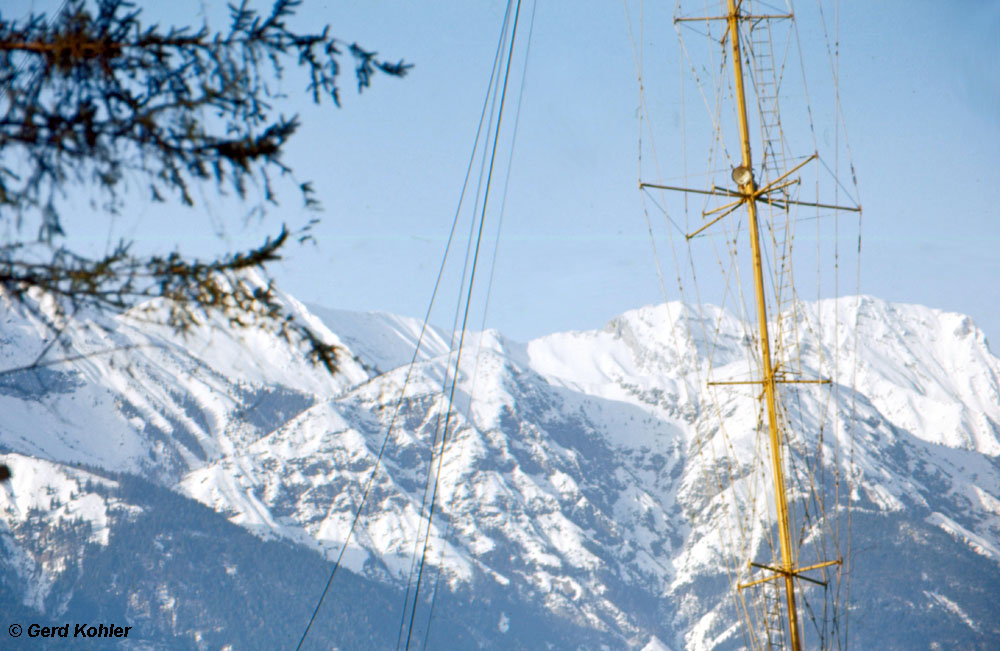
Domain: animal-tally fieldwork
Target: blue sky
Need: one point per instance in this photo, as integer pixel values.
(921, 96)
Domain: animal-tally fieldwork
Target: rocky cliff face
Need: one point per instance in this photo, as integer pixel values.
(579, 501)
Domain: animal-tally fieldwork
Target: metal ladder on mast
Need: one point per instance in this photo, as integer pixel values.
(773, 162)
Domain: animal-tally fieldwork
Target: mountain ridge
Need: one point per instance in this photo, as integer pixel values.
(573, 486)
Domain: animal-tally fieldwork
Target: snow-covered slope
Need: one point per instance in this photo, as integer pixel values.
(573, 487)
(134, 396)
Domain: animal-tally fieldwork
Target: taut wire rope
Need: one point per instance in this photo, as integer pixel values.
(465, 321)
(412, 364)
(489, 283)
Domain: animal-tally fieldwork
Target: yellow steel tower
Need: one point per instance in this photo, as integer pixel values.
(749, 194)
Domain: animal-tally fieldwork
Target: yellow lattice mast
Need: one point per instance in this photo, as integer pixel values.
(748, 194)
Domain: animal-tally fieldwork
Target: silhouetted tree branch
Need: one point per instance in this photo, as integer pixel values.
(93, 97)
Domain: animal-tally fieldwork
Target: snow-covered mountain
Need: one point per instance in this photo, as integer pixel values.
(572, 507)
